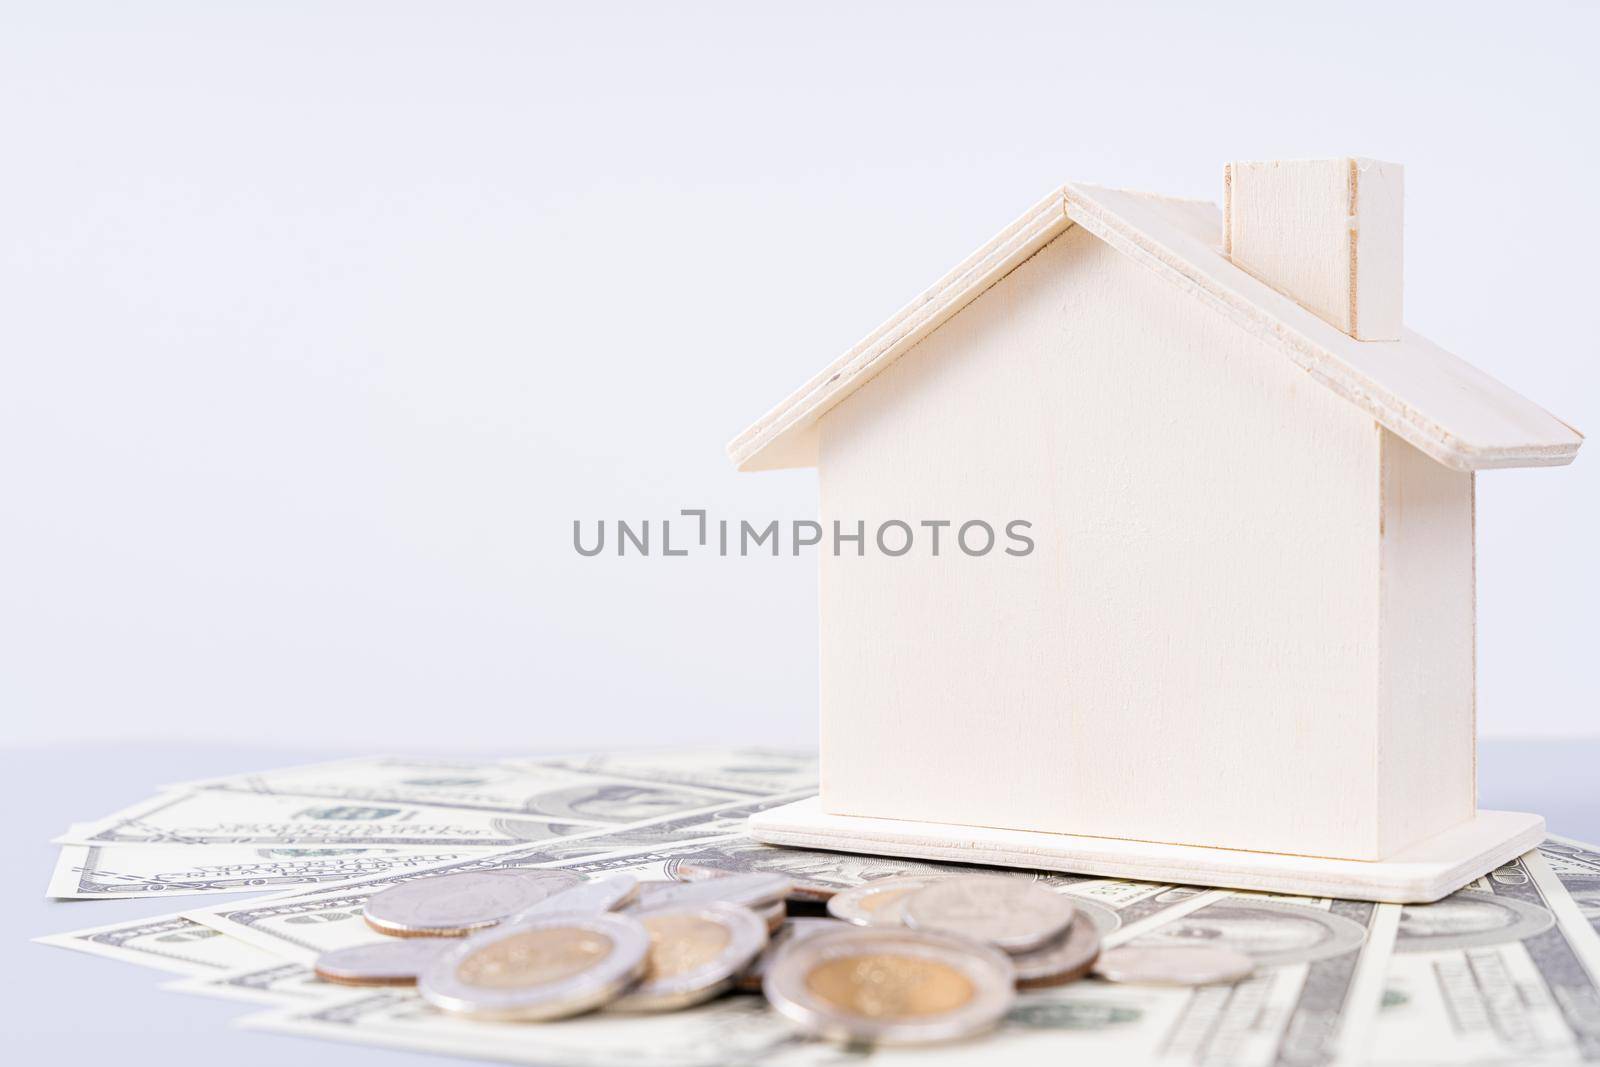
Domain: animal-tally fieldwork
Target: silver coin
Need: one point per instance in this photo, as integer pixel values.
(880, 986)
(1009, 913)
(391, 962)
(587, 898)
(798, 929)
(878, 903)
(1066, 959)
(755, 890)
(1173, 966)
(453, 905)
(696, 952)
(548, 967)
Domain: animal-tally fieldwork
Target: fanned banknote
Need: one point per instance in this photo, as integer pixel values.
(1506, 971)
(167, 943)
(525, 790)
(217, 817)
(89, 872)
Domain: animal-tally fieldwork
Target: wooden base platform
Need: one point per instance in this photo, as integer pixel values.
(1421, 873)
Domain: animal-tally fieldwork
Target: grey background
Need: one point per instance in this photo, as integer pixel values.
(321, 322)
(65, 1006)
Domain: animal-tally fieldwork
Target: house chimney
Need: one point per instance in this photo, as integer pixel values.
(1325, 232)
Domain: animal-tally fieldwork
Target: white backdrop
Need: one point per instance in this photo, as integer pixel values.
(320, 323)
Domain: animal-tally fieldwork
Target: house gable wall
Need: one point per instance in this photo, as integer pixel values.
(1190, 654)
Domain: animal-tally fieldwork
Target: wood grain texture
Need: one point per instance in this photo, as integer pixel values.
(1422, 873)
(785, 436)
(1191, 653)
(1451, 411)
(1328, 233)
(1427, 731)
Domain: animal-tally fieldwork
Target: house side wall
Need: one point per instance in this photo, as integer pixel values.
(1190, 653)
(1426, 736)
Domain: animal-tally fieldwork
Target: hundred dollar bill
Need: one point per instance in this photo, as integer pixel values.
(1317, 987)
(166, 942)
(526, 790)
(1503, 971)
(1577, 867)
(278, 983)
(754, 771)
(727, 1031)
(92, 872)
(223, 818)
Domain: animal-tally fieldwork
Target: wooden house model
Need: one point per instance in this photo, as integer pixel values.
(1241, 651)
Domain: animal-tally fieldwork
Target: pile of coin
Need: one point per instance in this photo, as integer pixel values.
(901, 961)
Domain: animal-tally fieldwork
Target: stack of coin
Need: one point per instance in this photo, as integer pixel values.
(539, 945)
(903, 961)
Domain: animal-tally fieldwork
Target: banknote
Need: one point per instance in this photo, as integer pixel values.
(729, 1032)
(219, 817)
(94, 872)
(756, 771)
(1317, 987)
(1576, 866)
(527, 790)
(1503, 971)
(277, 983)
(166, 942)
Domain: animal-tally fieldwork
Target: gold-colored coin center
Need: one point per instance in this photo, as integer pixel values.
(682, 943)
(890, 987)
(534, 957)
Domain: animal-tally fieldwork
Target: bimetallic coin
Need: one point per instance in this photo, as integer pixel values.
(588, 898)
(1009, 913)
(383, 963)
(1173, 966)
(877, 903)
(695, 953)
(1066, 959)
(800, 929)
(548, 967)
(453, 905)
(754, 890)
(891, 987)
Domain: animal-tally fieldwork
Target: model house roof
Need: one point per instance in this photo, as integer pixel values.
(1445, 407)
